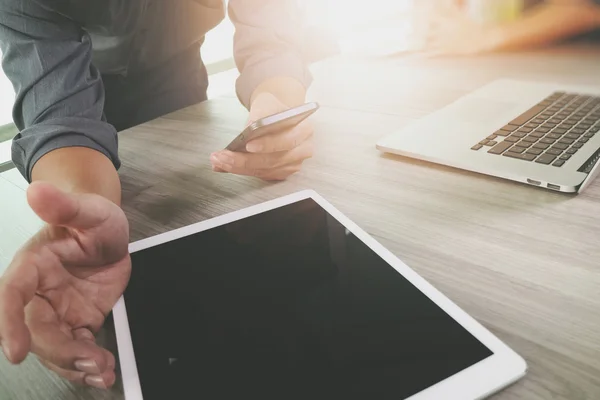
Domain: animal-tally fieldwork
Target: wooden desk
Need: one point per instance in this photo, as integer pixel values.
(523, 261)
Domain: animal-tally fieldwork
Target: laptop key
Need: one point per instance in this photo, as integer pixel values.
(572, 136)
(547, 140)
(518, 149)
(560, 146)
(476, 147)
(500, 147)
(512, 139)
(510, 127)
(527, 115)
(565, 156)
(571, 151)
(525, 130)
(491, 143)
(559, 131)
(595, 129)
(558, 163)
(536, 134)
(553, 135)
(545, 158)
(484, 142)
(524, 143)
(577, 145)
(542, 146)
(566, 141)
(583, 140)
(491, 137)
(525, 156)
(501, 133)
(589, 135)
(554, 152)
(534, 151)
(519, 134)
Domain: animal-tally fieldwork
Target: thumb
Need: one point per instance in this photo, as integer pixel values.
(56, 207)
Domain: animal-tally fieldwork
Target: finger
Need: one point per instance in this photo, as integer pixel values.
(102, 381)
(250, 164)
(17, 289)
(79, 211)
(279, 174)
(73, 351)
(284, 141)
(14, 335)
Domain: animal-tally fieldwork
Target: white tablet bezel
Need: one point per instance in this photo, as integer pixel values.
(477, 381)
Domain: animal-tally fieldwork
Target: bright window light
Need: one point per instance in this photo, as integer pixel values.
(383, 27)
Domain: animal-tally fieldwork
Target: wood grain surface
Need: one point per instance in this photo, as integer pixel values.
(523, 261)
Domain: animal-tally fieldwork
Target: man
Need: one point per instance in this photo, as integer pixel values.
(82, 71)
(452, 31)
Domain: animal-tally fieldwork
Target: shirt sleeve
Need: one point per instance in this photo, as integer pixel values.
(59, 94)
(267, 43)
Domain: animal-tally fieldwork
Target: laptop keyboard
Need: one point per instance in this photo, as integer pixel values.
(548, 133)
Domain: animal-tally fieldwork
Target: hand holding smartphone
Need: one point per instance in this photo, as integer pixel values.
(274, 123)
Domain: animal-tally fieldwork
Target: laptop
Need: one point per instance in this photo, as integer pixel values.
(541, 134)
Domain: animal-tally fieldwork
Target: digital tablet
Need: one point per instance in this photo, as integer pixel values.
(291, 300)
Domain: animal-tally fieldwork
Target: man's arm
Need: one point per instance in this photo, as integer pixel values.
(554, 20)
(59, 101)
(268, 50)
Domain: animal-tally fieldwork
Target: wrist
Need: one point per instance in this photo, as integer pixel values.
(287, 90)
(79, 170)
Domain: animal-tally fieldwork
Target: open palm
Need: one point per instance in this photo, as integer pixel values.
(62, 284)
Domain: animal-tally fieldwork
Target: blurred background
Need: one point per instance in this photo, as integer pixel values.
(338, 25)
(382, 28)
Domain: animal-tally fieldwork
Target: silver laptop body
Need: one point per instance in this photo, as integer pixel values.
(542, 134)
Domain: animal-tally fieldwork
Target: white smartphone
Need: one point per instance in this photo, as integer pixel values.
(273, 123)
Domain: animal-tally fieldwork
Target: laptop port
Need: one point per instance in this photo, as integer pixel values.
(532, 182)
(553, 187)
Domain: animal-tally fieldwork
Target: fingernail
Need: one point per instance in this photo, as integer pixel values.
(87, 366)
(254, 147)
(95, 381)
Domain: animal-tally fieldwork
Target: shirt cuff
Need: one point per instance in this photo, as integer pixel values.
(286, 65)
(35, 142)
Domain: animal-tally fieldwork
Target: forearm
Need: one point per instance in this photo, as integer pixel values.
(79, 170)
(268, 50)
(288, 90)
(546, 24)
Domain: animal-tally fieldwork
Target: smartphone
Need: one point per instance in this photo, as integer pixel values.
(271, 124)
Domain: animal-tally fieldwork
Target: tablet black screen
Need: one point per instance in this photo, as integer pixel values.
(286, 304)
